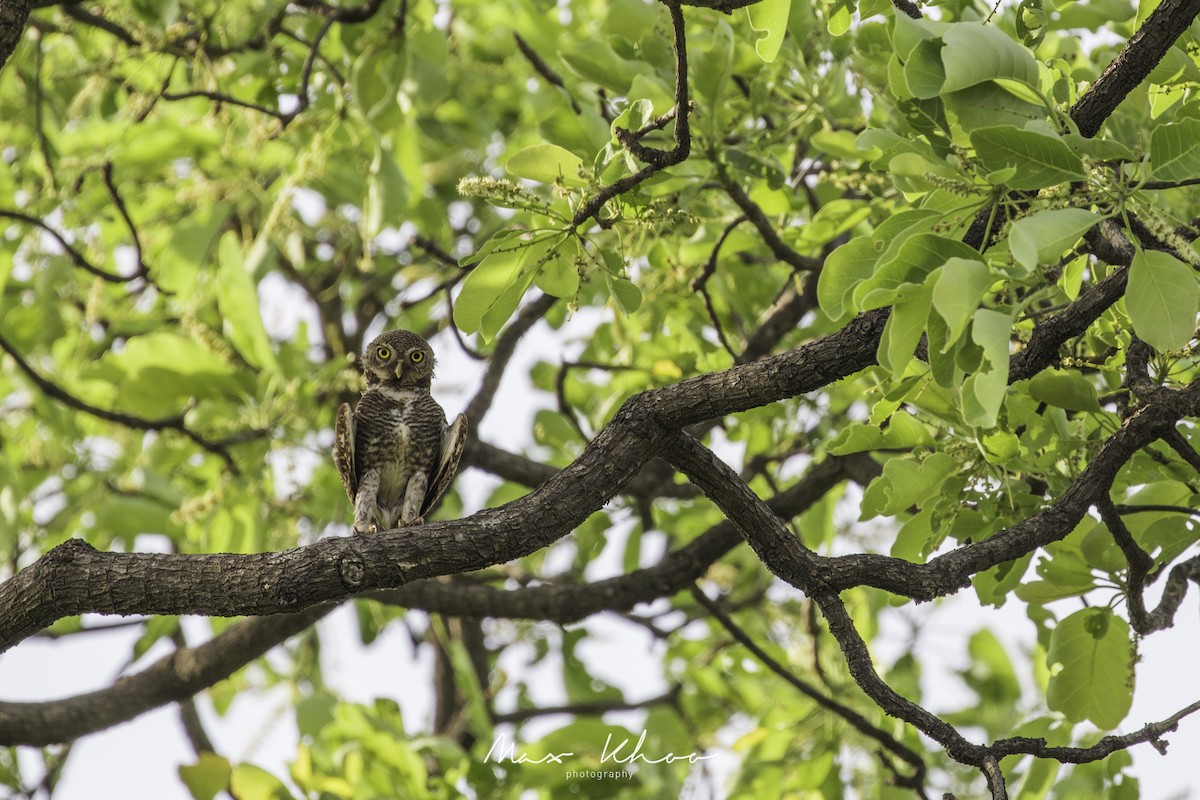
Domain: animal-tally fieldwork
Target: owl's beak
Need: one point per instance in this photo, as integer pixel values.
(399, 371)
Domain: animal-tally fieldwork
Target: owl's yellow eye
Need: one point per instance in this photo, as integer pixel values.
(383, 353)
(417, 356)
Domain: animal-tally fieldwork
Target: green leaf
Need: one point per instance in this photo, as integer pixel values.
(237, 298)
(983, 392)
(904, 327)
(839, 18)
(1000, 447)
(1162, 299)
(547, 163)
(769, 17)
(1063, 389)
(960, 285)
(595, 60)
(1031, 22)
(1175, 150)
(1040, 160)
(627, 295)
(852, 263)
(905, 483)
(975, 53)
(249, 782)
(491, 276)
(903, 432)
(387, 193)
(1093, 655)
(917, 256)
(558, 276)
(845, 268)
(208, 777)
(503, 307)
(1043, 237)
(494, 286)
(923, 71)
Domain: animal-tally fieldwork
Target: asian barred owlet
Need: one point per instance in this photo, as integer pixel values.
(395, 453)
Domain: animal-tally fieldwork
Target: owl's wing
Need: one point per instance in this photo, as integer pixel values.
(454, 439)
(343, 449)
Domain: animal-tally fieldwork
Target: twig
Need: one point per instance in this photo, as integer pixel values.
(766, 229)
(77, 258)
(542, 68)
(656, 160)
(914, 781)
(175, 423)
(142, 270)
(595, 707)
(700, 283)
(502, 353)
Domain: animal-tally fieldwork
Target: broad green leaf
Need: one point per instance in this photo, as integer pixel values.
(770, 18)
(908, 33)
(249, 782)
(712, 67)
(1041, 238)
(983, 392)
(1162, 299)
(902, 432)
(905, 483)
(999, 447)
(959, 287)
(595, 60)
(844, 269)
(387, 193)
(1093, 654)
(841, 144)
(839, 19)
(208, 777)
(376, 80)
(916, 257)
(1039, 160)
(989, 104)
(854, 262)
(1064, 389)
(546, 163)
(1031, 22)
(975, 53)
(502, 307)
(559, 276)
(490, 279)
(237, 297)
(1175, 150)
(923, 71)
(626, 293)
(904, 327)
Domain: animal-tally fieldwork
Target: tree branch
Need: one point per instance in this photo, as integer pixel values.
(656, 160)
(175, 677)
(915, 781)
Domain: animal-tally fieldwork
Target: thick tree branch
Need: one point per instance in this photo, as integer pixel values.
(174, 677)
(60, 720)
(1133, 64)
(1137, 58)
(74, 578)
(13, 16)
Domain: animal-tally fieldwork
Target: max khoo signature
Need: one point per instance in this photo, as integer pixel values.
(613, 752)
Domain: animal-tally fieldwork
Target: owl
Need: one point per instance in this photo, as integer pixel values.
(394, 451)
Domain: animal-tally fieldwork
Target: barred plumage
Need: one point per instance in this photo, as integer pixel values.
(394, 452)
